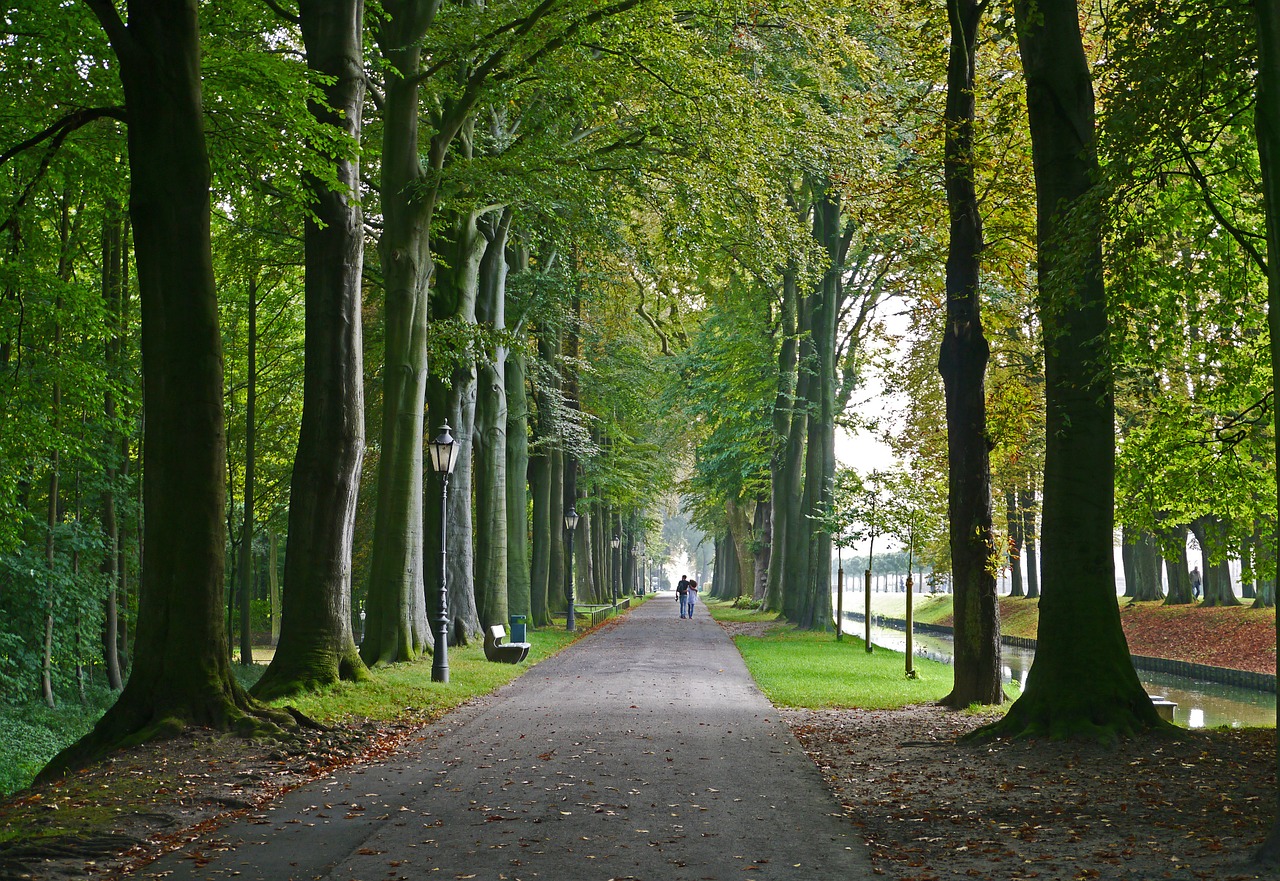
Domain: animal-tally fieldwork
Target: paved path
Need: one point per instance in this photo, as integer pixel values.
(644, 751)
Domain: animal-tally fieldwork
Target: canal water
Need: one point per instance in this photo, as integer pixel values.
(1200, 704)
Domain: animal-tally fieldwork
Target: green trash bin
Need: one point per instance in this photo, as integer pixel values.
(517, 628)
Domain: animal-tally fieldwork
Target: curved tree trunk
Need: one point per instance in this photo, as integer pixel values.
(316, 646)
(963, 365)
(1082, 680)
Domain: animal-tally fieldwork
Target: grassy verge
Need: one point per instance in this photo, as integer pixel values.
(796, 668)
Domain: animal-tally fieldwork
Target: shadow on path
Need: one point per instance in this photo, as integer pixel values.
(644, 751)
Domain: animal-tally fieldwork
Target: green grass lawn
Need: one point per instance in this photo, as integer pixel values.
(797, 668)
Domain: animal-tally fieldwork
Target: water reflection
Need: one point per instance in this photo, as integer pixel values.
(1199, 704)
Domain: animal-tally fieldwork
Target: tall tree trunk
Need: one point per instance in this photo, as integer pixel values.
(784, 409)
(312, 628)
(519, 599)
(1013, 518)
(1177, 567)
(739, 520)
(1267, 123)
(273, 583)
(762, 528)
(1082, 680)
(112, 296)
(1146, 559)
(492, 604)
(540, 562)
(246, 535)
(1129, 559)
(791, 544)
(181, 672)
(963, 365)
(461, 249)
(819, 459)
(396, 626)
(1217, 575)
(1027, 502)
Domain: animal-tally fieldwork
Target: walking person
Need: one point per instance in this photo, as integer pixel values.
(693, 595)
(682, 594)
(1195, 582)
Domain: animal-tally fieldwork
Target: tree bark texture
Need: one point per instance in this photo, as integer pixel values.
(963, 365)
(315, 645)
(1082, 681)
(784, 409)
(181, 673)
(519, 599)
(396, 627)
(819, 454)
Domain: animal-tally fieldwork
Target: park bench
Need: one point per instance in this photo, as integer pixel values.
(498, 650)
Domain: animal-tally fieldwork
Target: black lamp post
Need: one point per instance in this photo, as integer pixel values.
(616, 542)
(644, 564)
(570, 524)
(444, 453)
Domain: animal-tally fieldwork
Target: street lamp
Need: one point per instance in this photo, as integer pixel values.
(444, 454)
(570, 524)
(644, 564)
(616, 542)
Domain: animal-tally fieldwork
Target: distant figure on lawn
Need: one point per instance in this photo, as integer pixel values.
(682, 595)
(693, 595)
(1195, 582)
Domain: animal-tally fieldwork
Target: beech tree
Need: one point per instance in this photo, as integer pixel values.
(316, 645)
(963, 364)
(1082, 681)
(181, 672)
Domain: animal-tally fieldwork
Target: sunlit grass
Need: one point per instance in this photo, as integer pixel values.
(812, 670)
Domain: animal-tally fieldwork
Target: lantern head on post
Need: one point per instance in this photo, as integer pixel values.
(571, 519)
(444, 451)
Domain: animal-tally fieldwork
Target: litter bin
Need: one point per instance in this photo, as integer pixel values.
(517, 628)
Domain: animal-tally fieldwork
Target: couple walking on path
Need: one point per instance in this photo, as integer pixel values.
(687, 594)
(582, 769)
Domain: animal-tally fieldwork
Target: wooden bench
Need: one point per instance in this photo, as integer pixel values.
(496, 649)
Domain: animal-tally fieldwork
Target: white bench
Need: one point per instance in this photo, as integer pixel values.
(497, 649)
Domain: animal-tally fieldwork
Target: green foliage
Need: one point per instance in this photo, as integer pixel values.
(31, 734)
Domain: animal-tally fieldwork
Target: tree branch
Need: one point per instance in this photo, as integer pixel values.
(279, 10)
(1202, 181)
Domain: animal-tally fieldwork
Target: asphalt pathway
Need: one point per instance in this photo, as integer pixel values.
(644, 751)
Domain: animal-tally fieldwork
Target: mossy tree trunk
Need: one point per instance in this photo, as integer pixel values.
(181, 672)
(315, 645)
